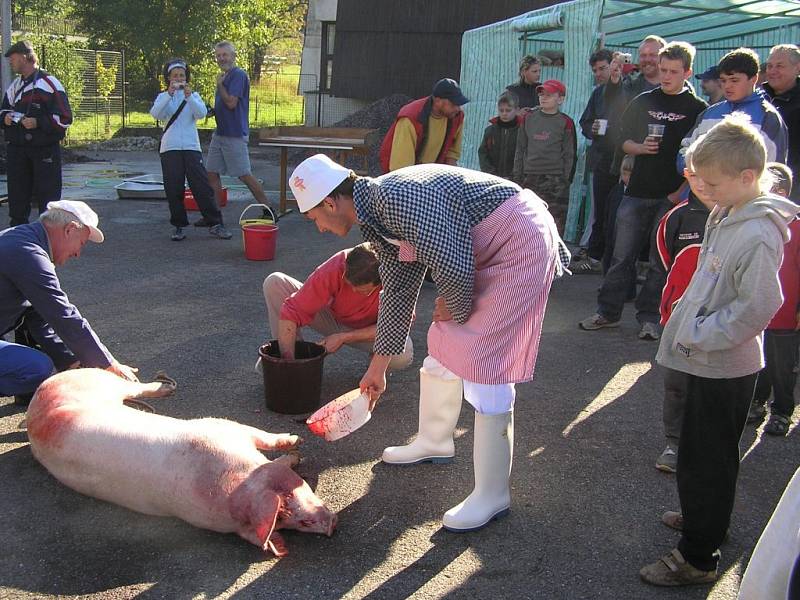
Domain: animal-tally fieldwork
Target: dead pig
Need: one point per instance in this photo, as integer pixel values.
(208, 472)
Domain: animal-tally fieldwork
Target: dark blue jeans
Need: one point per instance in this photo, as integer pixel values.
(22, 369)
(635, 226)
(178, 166)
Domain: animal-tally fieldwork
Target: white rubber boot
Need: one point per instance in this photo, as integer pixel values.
(491, 498)
(439, 407)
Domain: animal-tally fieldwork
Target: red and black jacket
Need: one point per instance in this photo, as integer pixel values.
(418, 113)
(678, 238)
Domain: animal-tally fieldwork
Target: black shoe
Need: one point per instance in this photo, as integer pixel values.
(23, 399)
(178, 235)
(201, 222)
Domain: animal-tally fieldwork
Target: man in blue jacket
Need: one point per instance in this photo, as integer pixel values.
(33, 305)
(738, 74)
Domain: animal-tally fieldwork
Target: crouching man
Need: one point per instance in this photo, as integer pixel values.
(338, 300)
(51, 334)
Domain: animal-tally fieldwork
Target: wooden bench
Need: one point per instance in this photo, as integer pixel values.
(342, 142)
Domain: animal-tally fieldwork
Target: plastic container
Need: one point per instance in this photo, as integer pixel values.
(292, 387)
(259, 236)
(189, 203)
(340, 417)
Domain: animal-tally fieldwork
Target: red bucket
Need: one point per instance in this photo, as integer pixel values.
(189, 203)
(259, 241)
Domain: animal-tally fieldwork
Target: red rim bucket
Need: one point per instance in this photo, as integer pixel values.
(259, 241)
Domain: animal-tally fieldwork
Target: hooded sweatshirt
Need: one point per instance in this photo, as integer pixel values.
(716, 328)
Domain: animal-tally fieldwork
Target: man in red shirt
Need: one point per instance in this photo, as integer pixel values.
(338, 300)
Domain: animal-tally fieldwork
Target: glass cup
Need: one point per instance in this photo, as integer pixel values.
(602, 126)
(655, 131)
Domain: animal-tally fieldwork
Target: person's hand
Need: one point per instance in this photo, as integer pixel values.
(187, 90)
(8, 120)
(649, 146)
(616, 71)
(333, 342)
(29, 122)
(123, 371)
(373, 383)
(440, 310)
(221, 77)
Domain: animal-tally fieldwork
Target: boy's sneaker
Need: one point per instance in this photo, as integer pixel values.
(581, 255)
(219, 231)
(668, 460)
(777, 425)
(595, 322)
(756, 413)
(649, 331)
(586, 266)
(673, 570)
(178, 235)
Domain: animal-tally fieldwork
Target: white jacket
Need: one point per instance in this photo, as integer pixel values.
(182, 134)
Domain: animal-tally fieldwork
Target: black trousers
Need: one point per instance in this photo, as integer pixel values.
(34, 176)
(602, 182)
(178, 166)
(778, 377)
(708, 463)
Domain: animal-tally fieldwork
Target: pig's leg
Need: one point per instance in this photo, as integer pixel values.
(162, 386)
(271, 441)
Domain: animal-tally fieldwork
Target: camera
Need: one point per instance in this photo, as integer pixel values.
(624, 57)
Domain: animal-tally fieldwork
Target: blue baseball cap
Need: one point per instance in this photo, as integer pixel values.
(711, 73)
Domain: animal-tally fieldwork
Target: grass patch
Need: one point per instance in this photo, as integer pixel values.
(274, 100)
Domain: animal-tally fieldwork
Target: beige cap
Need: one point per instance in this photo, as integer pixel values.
(83, 213)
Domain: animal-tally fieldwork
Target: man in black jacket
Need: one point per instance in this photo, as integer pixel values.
(783, 89)
(35, 114)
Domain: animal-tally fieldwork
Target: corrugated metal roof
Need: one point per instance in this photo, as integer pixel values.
(490, 54)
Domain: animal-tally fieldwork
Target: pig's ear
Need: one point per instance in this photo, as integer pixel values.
(264, 523)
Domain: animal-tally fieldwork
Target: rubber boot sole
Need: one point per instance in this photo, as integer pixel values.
(437, 460)
(497, 515)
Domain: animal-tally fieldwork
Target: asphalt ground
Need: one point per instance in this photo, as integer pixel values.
(586, 496)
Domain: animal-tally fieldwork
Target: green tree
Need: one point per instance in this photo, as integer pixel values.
(106, 82)
(186, 28)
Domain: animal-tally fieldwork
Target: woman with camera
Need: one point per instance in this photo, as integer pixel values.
(180, 108)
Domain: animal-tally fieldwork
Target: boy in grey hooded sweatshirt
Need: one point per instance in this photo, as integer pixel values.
(715, 335)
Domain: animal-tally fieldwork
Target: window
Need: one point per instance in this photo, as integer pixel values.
(326, 55)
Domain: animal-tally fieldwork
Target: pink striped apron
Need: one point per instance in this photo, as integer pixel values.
(515, 261)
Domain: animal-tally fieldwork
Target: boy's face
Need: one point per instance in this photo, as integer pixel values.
(601, 71)
(737, 86)
(673, 75)
(696, 186)
(550, 102)
(713, 185)
(506, 112)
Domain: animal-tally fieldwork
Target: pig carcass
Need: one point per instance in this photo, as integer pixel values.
(208, 472)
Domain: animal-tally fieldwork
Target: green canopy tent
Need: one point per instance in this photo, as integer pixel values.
(490, 54)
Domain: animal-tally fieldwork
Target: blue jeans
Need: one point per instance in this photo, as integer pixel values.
(637, 219)
(22, 369)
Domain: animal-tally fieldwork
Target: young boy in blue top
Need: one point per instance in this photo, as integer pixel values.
(715, 335)
(738, 74)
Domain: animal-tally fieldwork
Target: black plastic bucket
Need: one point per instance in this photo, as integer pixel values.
(292, 387)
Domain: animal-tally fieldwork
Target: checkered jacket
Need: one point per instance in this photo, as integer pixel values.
(430, 210)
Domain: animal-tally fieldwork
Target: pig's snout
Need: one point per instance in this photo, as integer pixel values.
(321, 521)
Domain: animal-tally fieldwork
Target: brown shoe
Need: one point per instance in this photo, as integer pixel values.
(673, 519)
(673, 570)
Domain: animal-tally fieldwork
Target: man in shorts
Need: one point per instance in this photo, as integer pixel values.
(227, 153)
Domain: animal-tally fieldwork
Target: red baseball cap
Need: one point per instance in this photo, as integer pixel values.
(552, 86)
